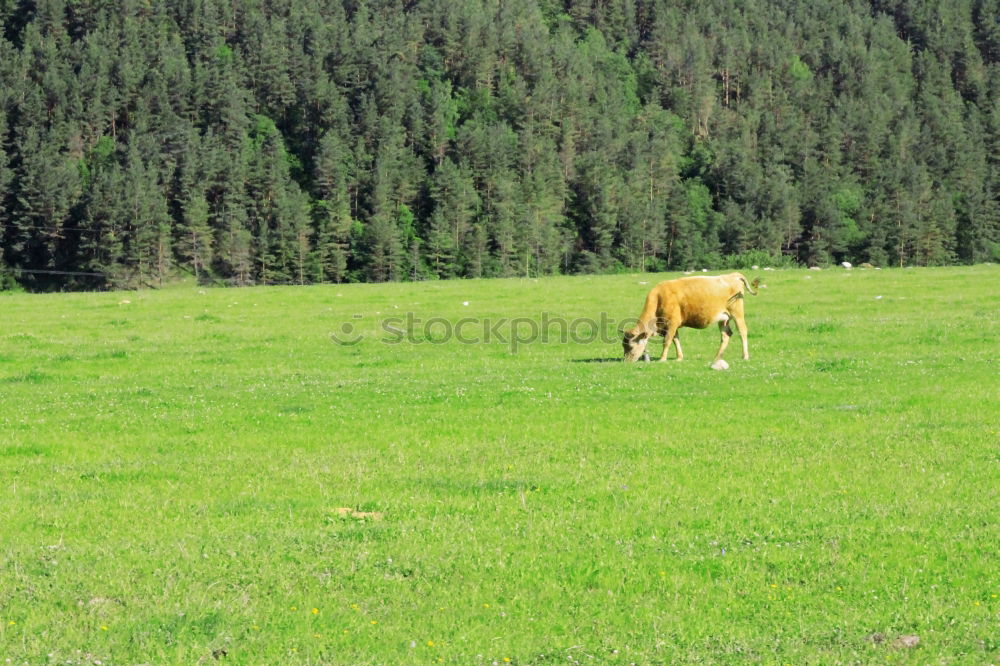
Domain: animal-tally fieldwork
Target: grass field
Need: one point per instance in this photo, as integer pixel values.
(172, 464)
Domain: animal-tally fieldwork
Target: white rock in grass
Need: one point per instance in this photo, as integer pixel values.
(846, 264)
(815, 268)
(720, 365)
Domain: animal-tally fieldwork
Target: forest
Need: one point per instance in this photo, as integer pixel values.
(252, 142)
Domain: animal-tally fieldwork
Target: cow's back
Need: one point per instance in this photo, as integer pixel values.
(699, 299)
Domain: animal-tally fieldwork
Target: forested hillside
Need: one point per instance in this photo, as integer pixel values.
(255, 141)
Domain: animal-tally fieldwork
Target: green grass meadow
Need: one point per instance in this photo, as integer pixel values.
(172, 463)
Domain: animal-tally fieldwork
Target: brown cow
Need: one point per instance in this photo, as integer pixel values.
(695, 302)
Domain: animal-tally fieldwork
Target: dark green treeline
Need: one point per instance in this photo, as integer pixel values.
(297, 141)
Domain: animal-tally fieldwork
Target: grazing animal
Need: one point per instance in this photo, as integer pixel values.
(695, 302)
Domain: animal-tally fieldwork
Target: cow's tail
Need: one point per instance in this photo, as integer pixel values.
(750, 285)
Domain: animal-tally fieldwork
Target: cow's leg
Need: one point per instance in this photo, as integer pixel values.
(736, 313)
(677, 346)
(669, 339)
(726, 334)
(741, 326)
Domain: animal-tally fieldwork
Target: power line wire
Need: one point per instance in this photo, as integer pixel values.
(17, 226)
(48, 272)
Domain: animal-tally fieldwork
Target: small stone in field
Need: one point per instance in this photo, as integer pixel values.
(720, 365)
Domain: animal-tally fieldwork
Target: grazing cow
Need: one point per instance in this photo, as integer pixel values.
(695, 302)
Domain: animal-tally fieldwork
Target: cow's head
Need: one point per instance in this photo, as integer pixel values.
(634, 344)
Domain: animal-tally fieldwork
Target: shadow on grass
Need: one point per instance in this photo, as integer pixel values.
(596, 360)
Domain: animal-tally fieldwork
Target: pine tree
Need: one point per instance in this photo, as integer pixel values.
(48, 186)
(147, 234)
(193, 237)
(456, 203)
(6, 175)
(653, 181)
(105, 219)
(194, 242)
(333, 176)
